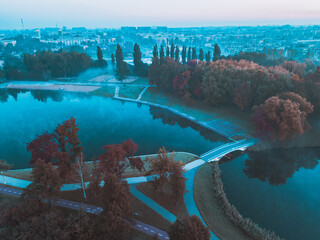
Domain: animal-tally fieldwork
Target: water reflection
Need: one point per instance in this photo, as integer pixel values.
(276, 166)
(170, 118)
(40, 95)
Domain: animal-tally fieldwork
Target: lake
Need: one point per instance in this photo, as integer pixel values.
(24, 115)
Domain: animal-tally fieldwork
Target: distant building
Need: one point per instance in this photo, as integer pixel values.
(79, 29)
(128, 29)
(143, 29)
(162, 29)
(6, 42)
(38, 33)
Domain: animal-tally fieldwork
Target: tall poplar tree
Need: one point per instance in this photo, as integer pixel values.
(122, 66)
(201, 55)
(208, 56)
(138, 64)
(217, 52)
(194, 53)
(172, 51)
(189, 54)
(177, 58)
(184, 54)
(161, 55)
(167, 52)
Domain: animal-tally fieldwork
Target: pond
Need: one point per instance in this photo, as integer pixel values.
(24, 115)
(279, 189)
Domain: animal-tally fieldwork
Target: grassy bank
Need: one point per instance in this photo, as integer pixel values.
(26, 174)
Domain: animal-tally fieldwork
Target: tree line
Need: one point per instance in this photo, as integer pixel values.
(245, 84)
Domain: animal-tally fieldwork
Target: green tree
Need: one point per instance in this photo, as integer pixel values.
(216, 52)
(155, 51)
(177, 54)
(113, 60)
(189, 55)
(172, 51)
(161, 55)
(208, 56)
(184, 54)
(194, 53)
(167, 52)
(122, 66)
(99, 56)
(138, 64)
(201, 55)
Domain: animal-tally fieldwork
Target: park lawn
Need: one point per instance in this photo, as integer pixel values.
(209, 207)
(26, 174)
(141, 81)
(165, 199)
(106, 91)
(130, 91)
(142, 212)
(199, 109)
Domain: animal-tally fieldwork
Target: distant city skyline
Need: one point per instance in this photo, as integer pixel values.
(178, 13)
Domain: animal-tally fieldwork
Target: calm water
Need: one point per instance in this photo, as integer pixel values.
(27, 114)
(278, 189)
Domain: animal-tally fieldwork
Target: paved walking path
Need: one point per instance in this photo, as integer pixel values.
(189, 199)
(152, 204)
(140, 226)
(116, 92)
(143, 91)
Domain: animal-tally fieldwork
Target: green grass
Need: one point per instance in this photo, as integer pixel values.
(142, 81)
(130, 91)
(107, 91)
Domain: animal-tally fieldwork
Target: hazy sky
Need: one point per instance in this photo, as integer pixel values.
(173, 13)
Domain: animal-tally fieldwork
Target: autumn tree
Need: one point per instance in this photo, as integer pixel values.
(216, 52)
(94, 187)
(46, 182)
(201, 55)
(43, 147)
(116, 207)
(287, 113)
(118, 157)
(69, 146)
(190, 228)
(161, 165)
(177, 181)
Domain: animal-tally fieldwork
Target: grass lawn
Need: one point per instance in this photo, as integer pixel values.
(130, 91)
(106, 91)
(210, 209)
(164, 199)
(178, 156)
(141, 80)
(199, 109)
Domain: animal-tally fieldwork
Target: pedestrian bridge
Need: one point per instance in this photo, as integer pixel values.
(219, 152)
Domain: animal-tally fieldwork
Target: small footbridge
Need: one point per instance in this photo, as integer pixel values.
(219, 152)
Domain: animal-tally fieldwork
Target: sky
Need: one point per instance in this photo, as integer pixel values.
(171, 13)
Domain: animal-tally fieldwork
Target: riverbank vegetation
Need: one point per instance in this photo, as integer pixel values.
(252, 229)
